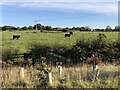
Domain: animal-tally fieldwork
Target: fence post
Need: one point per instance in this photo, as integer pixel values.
(95, 72)
(60, 70)
(49, 78)
(22, 73)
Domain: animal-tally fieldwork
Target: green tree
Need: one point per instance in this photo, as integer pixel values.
(24, 28)
(87, 28)
(117, 28)
(82, 29)
(38, 27)
(108, 28)
(30, 27)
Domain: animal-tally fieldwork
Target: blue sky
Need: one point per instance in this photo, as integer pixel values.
(60, 14)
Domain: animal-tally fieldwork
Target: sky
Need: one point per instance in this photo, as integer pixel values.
(69, 13)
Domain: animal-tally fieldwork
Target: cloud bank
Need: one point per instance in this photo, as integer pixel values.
(109, 7)
(60, 0)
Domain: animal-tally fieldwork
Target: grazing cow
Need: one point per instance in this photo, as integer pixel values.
(67, 35)
(16, 36)
(71, 33)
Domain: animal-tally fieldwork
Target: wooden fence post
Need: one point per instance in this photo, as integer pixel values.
(49, 78)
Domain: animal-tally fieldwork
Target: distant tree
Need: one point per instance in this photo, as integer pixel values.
(97, 29)
(73, 28)
(117, 28)
(48, 28)
(102, 29)
(13, 28)
(82, 29)
(6, 28)
(87, 28)
(24, 28)
(77, 28)
(30, 27)
(9, 28)
(67, 28)
(108, 28)
(64, 30)
(18, 28)
(38, 27)
(0, 28)
(57, 29)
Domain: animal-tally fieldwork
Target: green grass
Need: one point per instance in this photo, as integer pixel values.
(29, 37)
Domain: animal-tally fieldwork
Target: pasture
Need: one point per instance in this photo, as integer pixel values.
(28, 38)
(74, 76)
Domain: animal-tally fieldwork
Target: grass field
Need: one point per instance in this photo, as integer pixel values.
(55, 38)
(73, 77)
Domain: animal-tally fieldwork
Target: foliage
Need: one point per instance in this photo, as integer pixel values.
(42, 27)
(55, 47)
(7, 54)
(79, 52)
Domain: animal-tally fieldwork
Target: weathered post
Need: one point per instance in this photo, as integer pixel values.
(21, 73)
(95, 72)
(95, 61)
(60, 70)
(49, 78)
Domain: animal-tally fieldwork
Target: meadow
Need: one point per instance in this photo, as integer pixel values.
(27, 38)
(75, 76)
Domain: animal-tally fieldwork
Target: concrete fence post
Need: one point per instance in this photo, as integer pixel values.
(49, 78)
(60, 70)
(95, 72)
(22, 73)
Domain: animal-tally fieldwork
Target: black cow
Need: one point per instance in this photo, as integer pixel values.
(71, 33)
(16, 36)
(67, 35)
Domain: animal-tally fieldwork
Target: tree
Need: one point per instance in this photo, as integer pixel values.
(0, 28)
(30, 27)
(38, 27)
(6, 28)
(9, 28)
(48, 28)
(24, 28)
(73, 28)
(87, 28)
(18, 28)
(82, 29)
(108, 28)
(117, 28)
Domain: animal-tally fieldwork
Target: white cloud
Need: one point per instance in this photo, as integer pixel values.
(107, 8)
(60, 0)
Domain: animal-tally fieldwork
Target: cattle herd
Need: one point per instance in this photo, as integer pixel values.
(18, 36)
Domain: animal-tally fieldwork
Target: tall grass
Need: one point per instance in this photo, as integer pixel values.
(72, 77)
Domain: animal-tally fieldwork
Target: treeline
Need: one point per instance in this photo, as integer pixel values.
(80, 52)
(49, 28)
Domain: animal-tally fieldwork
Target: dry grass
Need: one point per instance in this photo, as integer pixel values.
(73, 77)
